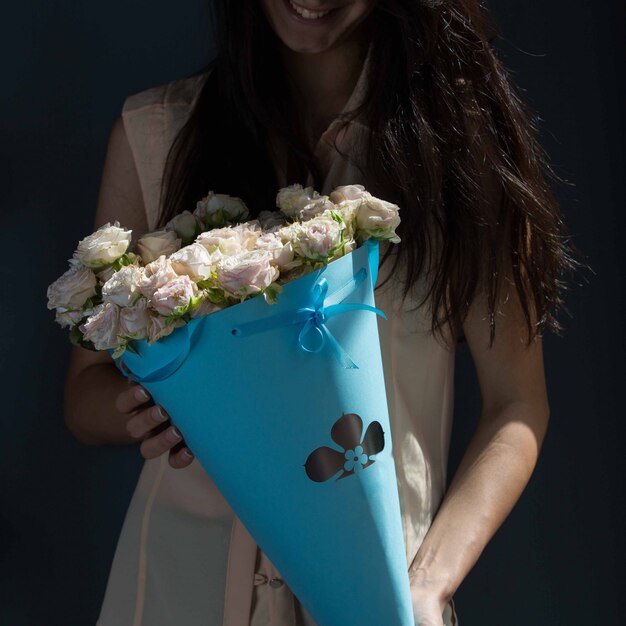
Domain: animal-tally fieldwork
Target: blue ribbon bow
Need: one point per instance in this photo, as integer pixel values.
(314, 318)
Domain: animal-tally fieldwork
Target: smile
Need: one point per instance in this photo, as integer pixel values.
(307, 14)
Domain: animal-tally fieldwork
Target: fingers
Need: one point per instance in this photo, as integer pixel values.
(131, 399)
(152, 427)
(145, 421)
(155, 446)
(180, 456)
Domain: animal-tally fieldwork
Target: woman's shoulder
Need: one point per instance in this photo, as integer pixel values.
(181, 92)
(151, 120)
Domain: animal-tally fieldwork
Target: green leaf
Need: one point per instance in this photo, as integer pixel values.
(117, 353)
(205, 284)
(76, 339)
(337, 217)
(119, 263)
(90, 303)
(271, 293)
(194, 304)
(131, 348)
(216, 295)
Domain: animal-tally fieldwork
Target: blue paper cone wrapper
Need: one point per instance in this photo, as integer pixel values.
(284, 406)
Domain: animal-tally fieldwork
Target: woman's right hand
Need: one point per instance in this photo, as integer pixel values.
(150, 424)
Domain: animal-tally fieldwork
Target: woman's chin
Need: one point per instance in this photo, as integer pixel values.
(307, 46)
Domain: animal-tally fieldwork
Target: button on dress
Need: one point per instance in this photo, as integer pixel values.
(183, 557)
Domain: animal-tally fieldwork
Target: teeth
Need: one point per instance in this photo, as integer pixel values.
(306, 14)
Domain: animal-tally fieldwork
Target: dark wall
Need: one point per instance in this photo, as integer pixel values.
(558, 558)
(67, 68)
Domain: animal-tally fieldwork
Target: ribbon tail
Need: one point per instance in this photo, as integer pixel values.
(335, 309)
(342, 356)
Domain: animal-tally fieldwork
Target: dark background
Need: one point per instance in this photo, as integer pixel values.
(67, 67)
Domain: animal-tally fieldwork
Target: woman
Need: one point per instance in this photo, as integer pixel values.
(407, 98)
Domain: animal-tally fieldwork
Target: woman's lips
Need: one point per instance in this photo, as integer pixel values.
(308, 16)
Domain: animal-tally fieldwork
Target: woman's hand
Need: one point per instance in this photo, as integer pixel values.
(150, 424)
(428, 607)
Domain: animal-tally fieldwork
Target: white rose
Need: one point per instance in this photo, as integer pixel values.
(174, 297)
(155, 275)
(224, 240)
(348, 210)
(230, 239)
(104, 246)
(194, 261)
(318, 239)
(102, 327)
(186, 226)
(348, 192)
(294, 198)
(282, 253)
(72, 289)
(68, 318)
(248, 233)
(286, 233)
(160, 242)
(314, 208)
(135, 320)
(246, 273)
(219, 209)
(378, 218)
(159, 327)
(123, 287)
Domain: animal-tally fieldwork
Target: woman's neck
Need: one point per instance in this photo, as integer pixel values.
(323, 82)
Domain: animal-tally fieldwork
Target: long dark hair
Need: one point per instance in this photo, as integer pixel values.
(449, 141)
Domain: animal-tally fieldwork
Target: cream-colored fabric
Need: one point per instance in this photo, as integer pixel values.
(183, 557)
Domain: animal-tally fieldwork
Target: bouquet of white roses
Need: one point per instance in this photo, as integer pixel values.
(291, 381)
(207, 260)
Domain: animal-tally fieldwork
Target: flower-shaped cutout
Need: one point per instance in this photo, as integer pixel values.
(356, 459)
(356, 455)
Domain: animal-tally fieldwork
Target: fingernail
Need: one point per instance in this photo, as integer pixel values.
(141, 394)
(173, 435)
(158, 414)
(187, 454)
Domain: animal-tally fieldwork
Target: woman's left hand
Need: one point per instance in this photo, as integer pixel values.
(427, 606)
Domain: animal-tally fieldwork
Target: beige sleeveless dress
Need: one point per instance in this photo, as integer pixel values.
(183, 557)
